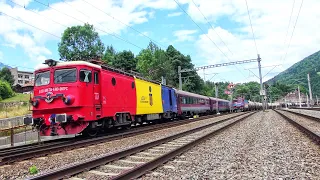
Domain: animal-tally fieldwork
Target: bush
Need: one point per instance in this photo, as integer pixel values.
(5, 90)
(33, 170)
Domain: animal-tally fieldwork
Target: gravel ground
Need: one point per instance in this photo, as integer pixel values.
(307, 112)
(20, 169)
(263, 147)
(314, 126)
(145, 158)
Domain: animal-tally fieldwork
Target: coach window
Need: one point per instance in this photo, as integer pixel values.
(183, 100)
(85, 75)
(96, 78)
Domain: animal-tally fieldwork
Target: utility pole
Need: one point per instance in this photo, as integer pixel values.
(216, 90)
(317, 100)
(204, 76)
(299, 96)
(310, 91)
(261, 86)
(180, 80)
(308, 100)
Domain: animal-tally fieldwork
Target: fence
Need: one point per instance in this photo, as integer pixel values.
(23, 137)
(12, 122)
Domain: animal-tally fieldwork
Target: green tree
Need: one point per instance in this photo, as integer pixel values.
(109, 55)
(153, 62)
(80, 43)
(5, 90)
(124, 60)
(5, 75)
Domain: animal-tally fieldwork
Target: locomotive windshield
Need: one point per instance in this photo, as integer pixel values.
(42, 78)
(65, 75)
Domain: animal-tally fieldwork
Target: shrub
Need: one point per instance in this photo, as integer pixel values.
(33, 170)
(5, 90)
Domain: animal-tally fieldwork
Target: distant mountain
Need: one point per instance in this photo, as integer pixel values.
(3, 65)
(299, 71)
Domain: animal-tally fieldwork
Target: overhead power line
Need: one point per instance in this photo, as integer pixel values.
(211, 26)
(112, 34)
(31, 25)
(289, 21)
(294, 27)
(124, 24)
(38, 14)
(252, 28)
(207, 35)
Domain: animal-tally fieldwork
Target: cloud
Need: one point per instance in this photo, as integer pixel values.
(49, 23)
(24, 2)
(174, 14)
(184, 35)
(269, 21)
(146, 33)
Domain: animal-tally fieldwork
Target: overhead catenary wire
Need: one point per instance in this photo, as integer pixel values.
(124, 24)
(38, 14)
(31, 25)
(112, 34)
(254, 39)
(208, 22)
(285, 39)
(207, 36)
(294, 27)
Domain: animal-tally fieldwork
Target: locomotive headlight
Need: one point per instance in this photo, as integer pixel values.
(34, 103)
(68, 99)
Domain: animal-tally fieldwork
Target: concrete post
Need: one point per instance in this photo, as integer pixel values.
(310, 91)
(299, 96)
(260, 77)
(180, 80)
(216, 91)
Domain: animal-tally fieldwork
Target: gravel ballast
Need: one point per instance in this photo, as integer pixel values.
(265, 146)
(105, 172)
(50, 162)
(312, 125)
(306, 112)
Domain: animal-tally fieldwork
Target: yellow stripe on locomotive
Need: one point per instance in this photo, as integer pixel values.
(148, 97)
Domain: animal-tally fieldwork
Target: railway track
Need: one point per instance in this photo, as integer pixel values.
(314, 108)
(11, 155)
(309, 125)
(136, 161)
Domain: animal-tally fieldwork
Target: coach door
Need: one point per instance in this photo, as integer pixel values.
(97, 93)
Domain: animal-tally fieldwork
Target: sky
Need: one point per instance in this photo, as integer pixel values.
(210, 31)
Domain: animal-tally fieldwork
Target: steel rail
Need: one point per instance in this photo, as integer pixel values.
(57, 141)
(142, 169)
(90, 164)
(304, 115)
(313, 109)
(23, 154)
(312, 135)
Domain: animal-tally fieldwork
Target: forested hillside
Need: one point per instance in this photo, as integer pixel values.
(297, 74)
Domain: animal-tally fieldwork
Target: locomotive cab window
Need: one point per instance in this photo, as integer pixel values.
(96, 78)
(85, 75)
(42, 78)
(65, 75)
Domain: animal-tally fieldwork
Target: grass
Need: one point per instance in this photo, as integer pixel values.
(14, 111)
(15, 131)
(19, 97)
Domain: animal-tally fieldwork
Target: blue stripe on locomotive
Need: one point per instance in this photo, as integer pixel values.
(169, 100)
